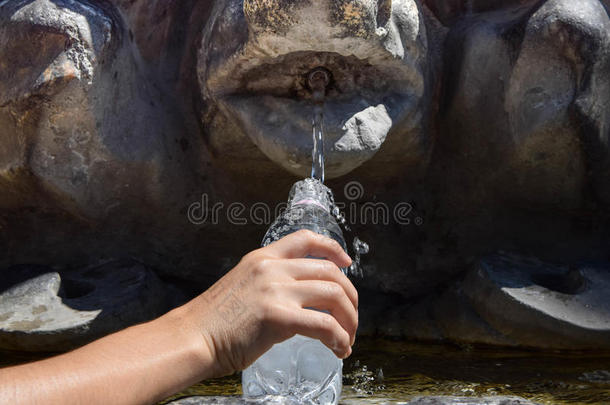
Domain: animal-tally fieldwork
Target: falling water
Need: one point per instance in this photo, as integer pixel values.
(317, 167)
(318, 80)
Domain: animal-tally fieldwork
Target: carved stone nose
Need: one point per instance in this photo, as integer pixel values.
(326, 18)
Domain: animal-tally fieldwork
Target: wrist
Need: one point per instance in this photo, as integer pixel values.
(190, 336)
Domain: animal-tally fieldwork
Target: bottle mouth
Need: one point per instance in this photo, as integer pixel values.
(310, 201)
(311, 191)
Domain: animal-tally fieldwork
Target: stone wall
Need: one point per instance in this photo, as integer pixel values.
(489, 119)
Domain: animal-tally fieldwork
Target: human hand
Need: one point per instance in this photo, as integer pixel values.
(259, 303)
(263, 301)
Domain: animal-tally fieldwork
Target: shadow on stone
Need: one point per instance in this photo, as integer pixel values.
(46, 310)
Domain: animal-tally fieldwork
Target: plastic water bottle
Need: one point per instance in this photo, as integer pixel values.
(301, 369)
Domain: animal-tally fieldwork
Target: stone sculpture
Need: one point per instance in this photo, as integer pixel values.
(489, 118)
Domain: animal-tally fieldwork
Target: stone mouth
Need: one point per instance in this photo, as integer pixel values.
(286, 76)
(273, 105)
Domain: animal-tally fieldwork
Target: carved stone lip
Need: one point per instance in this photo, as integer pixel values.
(272, 104)
(286, 76)
(255, 56)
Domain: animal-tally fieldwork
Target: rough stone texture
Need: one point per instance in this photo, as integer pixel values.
(540, 115)
(43, 310)
(537, 304)
(511, 300)
(417, 401)
(378, 59)
(89, 139)
(490, 118)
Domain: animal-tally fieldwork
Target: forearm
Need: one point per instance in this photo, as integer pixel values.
(262, 301)
(140, 365)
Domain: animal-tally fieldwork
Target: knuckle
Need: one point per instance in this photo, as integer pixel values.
(265, 312)
(247, 259)
(327, 323)
(310, 241)
(331, 244)
(354, 325)
(251, 258)
(271, 290)
(307, 234)
(334, 290)
(351, 322)
(278, 319)
(318, 268)
(334, 244)
(345, 340)
(331, 268)
(261, 266)
(271, 312)
(327, 270)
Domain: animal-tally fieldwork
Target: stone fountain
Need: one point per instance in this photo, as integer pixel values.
(134, 132)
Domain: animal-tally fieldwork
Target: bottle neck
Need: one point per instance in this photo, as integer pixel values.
(309, 201)
(310, 192)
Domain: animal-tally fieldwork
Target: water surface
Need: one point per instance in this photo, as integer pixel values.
(382, 371)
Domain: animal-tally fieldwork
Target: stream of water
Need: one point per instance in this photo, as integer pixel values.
(317, 167)
(358, 247)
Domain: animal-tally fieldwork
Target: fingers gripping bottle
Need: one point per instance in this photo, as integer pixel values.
(300, 369)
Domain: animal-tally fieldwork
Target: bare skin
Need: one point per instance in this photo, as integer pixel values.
(259, 303)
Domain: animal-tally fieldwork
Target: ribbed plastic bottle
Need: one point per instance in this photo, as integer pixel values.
(300, 369)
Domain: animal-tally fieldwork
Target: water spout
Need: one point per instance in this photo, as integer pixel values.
(318, 81)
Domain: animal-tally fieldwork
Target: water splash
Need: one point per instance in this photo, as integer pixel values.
(340, 218)
(363, 381)
(358, 247)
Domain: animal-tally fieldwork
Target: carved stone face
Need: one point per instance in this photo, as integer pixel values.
(255, 57)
